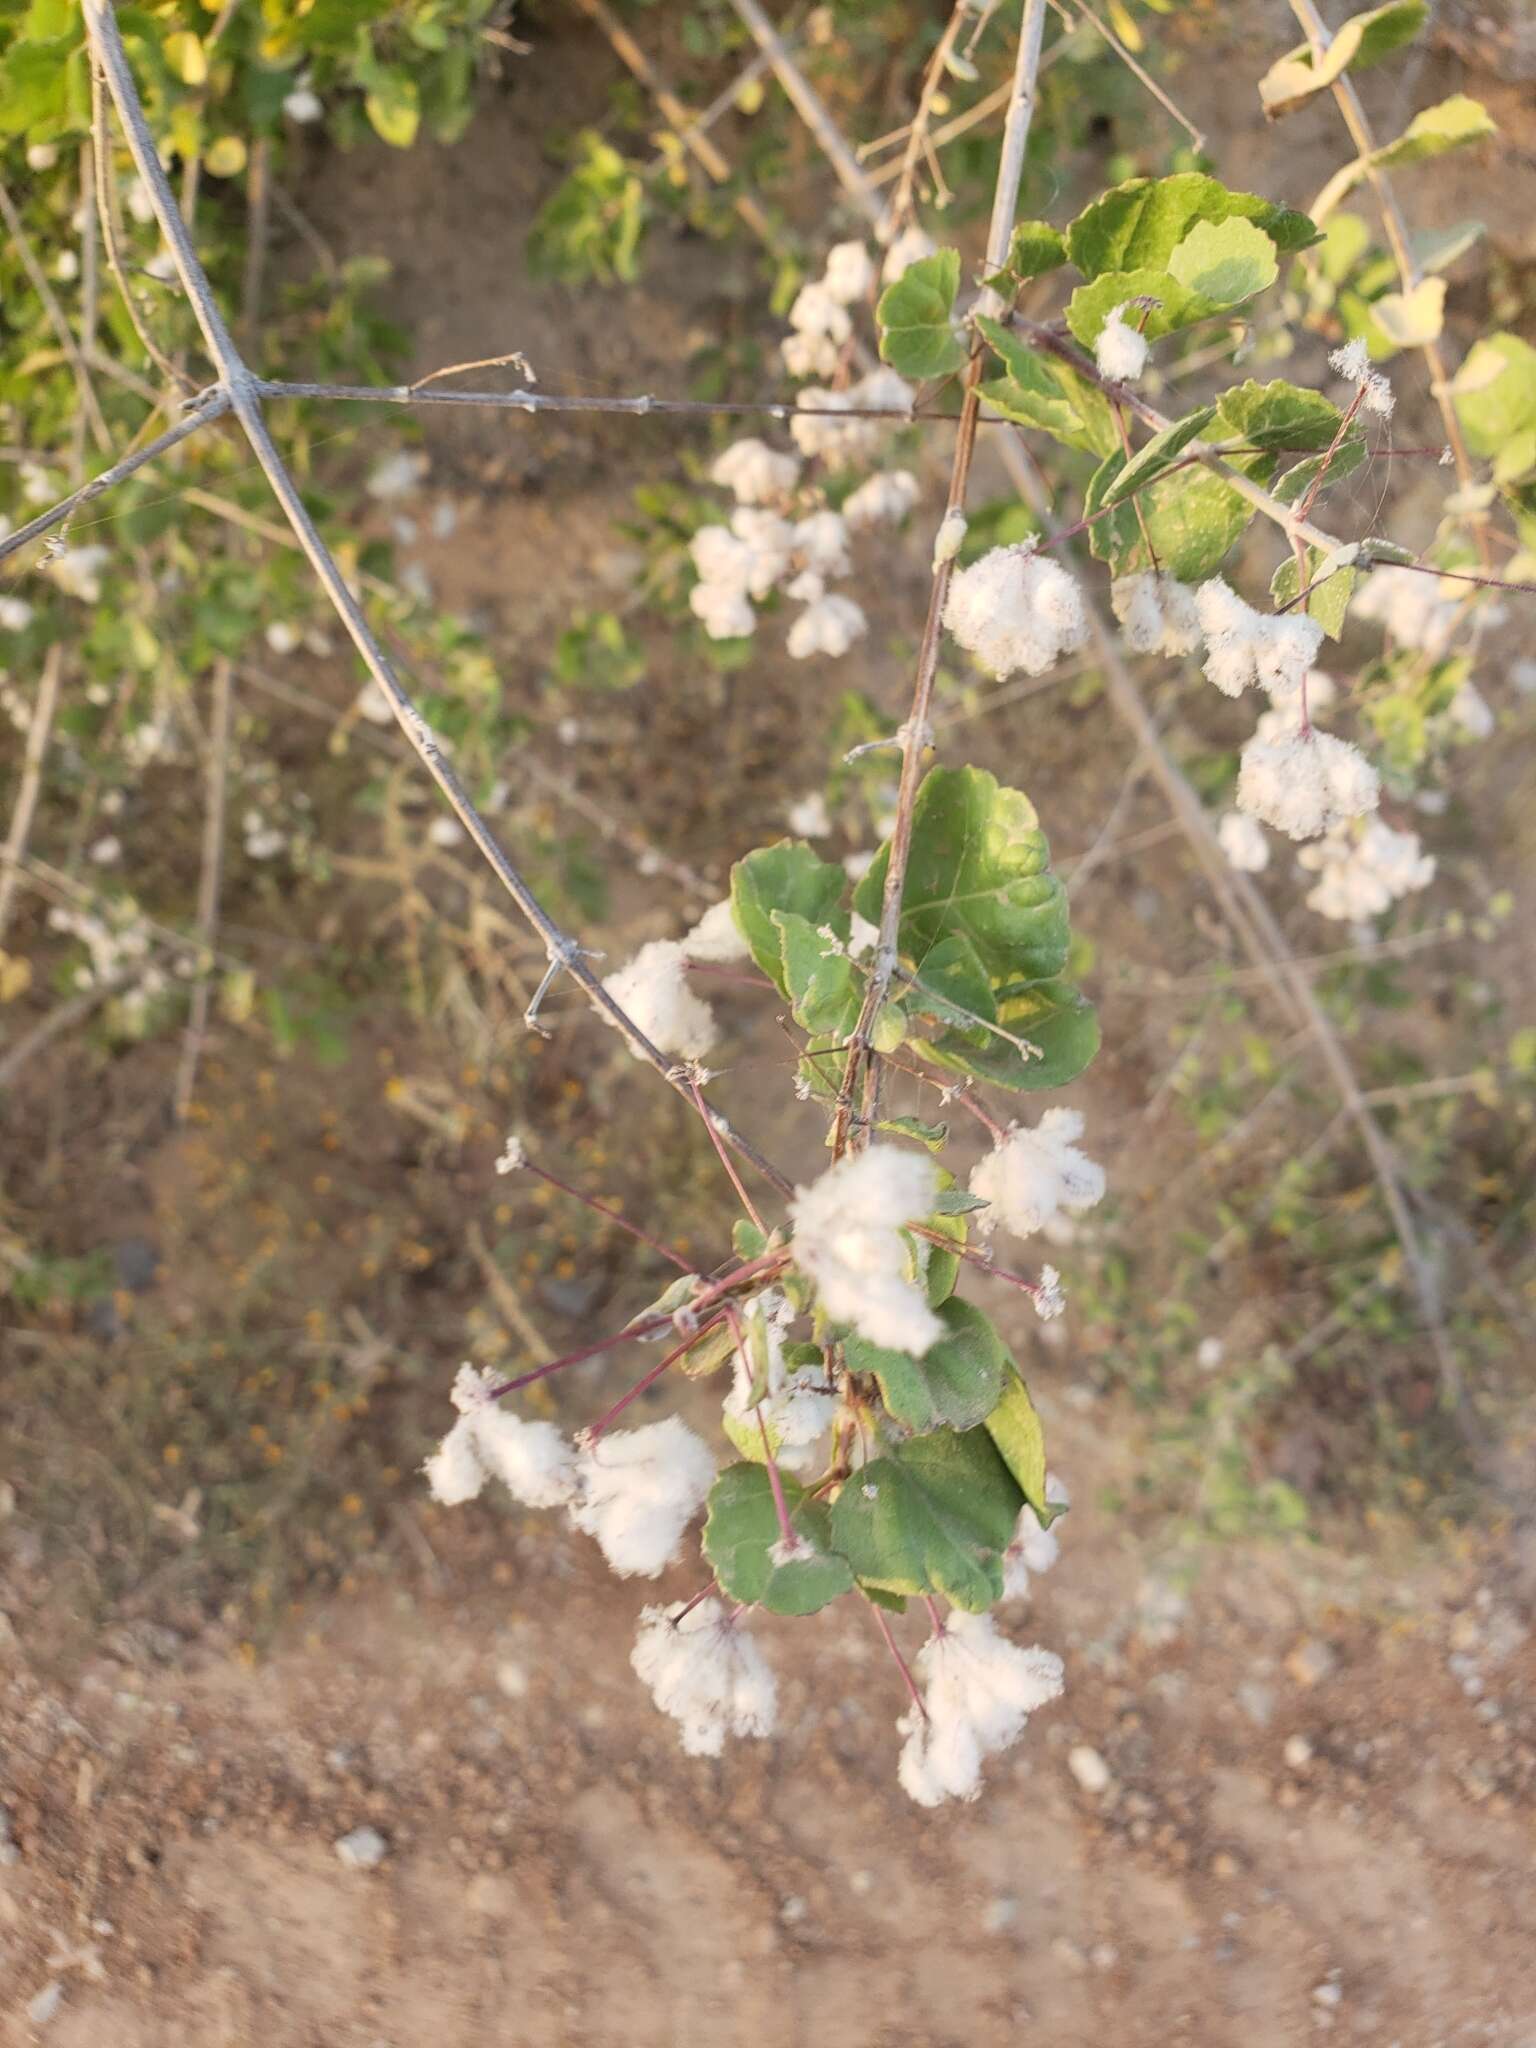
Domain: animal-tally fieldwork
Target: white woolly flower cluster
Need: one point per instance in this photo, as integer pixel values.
(760, 550)
(634, 1490)
(1416, 611)
(754, 473)
(531, 1459)
(1031, 1176)
(704, 1670)
(822, 427)
(1157, 614)
(717, 938)
(819, 317)
(1305, 783)
(848, 1239)
(1016, 609)
(638, 1491)
(653, 990)
(1353, 364)
(1121, 350)
(1242, 840)
(795, 1406)
(1034, 1548)
(979, 1692)
(77, 571)
(1273, 649)
(881, 499)
(1360, 874)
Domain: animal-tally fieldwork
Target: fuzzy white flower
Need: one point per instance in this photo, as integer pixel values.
(15, 614)
(513, 1156)
(909, 247)
(1353, 364)
(809, 355)
(848, 1240)
(881, 499)
(1243, 646)
(1418, 611)
(1363, 872)
(724, 611)
(1242, 840)
(756, 473)
(262, 841)
(372, 704)
(638, 1491)
(66, 266)
(817, 311)
(821, 543)
(531, 1459)
(1033, 1174)
(106, 852)
(302, 105)
(808, 818)
(1014, 609)
(979, 1692)
(1033, 1548)
(1157, 614)
(704, 1670)
(1305, 783)
(42, 156)
(1120, 351)
(445, 832)
(77, 572)
(653, 988)
(283, 638)
(830, 626)
(850, 272)
(770, 544)
(795, 1405)
(817, 429)
(717, 937)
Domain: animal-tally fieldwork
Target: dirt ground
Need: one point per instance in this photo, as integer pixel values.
(1308, 1802)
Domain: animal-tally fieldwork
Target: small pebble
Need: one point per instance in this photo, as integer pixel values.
(363, 1849)
(1310, 1662)
(1298, 1752)
(1329, 1993)
(46, 2004)
(1000, 1913)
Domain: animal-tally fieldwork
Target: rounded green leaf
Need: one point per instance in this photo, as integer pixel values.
(957, 1381)
(932, 1516)
(918, 336)
(1221, 263)
(786, 876)
(742, 1531)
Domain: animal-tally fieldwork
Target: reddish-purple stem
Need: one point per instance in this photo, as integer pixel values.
(975, 1258)
(725, 1158)
(595, 1430)
(613, 1215)
(901, 1663)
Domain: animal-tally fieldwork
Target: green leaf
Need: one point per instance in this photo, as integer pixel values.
(742, 1530)
(1410, 319)
(1224, 262)
(820, 981)
(1495, 392)
(1453, 124)
(934, 1136)
(1328, 602)
(951, 984)
(916, 318)
(1160, 453)
(980, 867)
(1346, 459)
(1138, 225)
(1015, 1428)
(1276, 416)
(393, 107)
(1050, 1016)
(1193, 519)
(1363, 40)
(956, 1382)
(938, 1266)
(785, 876)
(932, 1516)
(1036, 248)
(1091, 304)
(1038, 392)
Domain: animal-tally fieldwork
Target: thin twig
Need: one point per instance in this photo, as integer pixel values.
(208, 405)
(110, 213)
(915, 736)
(38, 280)
(1082, 12)
(806, 102)
(39, 732)
(690, 133)
(208, 885)
(917, 134)
(245, 398)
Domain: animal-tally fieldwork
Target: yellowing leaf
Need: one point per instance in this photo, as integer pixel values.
(225, 157)
(186, 56)
(1412, 318)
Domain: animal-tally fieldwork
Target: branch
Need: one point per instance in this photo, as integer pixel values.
(211, 404)
(803, 97)
(208, 886)
(1005, 200)
(39, 732)
(244, 395)
(523, 400)
(1348, 102)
